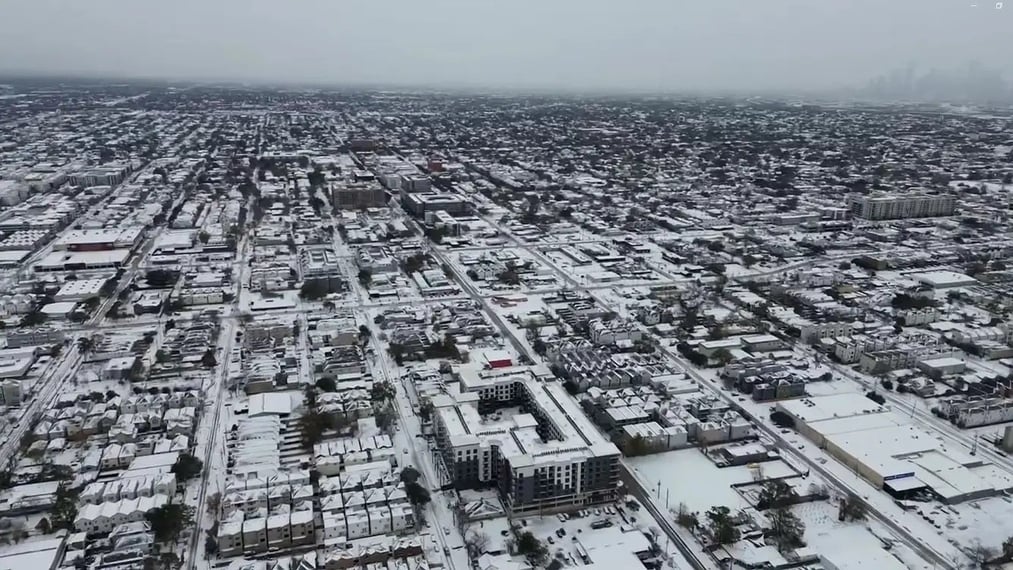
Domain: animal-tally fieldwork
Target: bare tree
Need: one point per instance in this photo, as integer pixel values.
(476, 543)
(775, 494)
(786, 529)
(213, 502)
(1007, 549)
(852, 508)
(685, 518)
(979, 553)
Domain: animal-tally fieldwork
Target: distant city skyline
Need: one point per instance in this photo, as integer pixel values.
(593, 45)
(971, 83)
(908, 83)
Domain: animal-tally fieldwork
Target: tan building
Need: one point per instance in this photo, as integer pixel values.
(900, 206)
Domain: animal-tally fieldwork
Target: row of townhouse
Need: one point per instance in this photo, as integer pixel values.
(380, 553)
(360, 522)
(192, 296)
(340, 362)
(882, 361)
(118, 456)
(125, 428)
(98, 492)
(242, 535)
(334, 330)
(254, 450)
(270, 275)
(103, 517)
(371, 476)
(160, 402)
(174, 422)
(251, 501)
(332, 457)
(810, 331)
(850, 350)
(74, 426)
(367, 512)
(716, 427)
(592, 366)
(364, 498)
(612, 332)
(295, 478)
(973, 411)
(348, 405)
(75, 406)
(656, 437)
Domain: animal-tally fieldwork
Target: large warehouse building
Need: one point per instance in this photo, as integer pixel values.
(892, 452)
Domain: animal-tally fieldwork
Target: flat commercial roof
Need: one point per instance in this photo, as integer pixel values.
(822, 408)
(98, 236)
(14, 367)
(611, 544)
(81, 287)
(58, 259)
(863, 559)
(276, 403)
(34, 554)
(943, 362)
(944, 278)
(58, 309)
(271, 303)
(758, 338)
(13, 256)
(733, 342)
(175, 239)
(497, 355)
(154, 460)
(31, 490)
(903, 484)
(881, 448)
(894, 449)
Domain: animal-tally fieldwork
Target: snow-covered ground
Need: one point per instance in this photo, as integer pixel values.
(682, 474)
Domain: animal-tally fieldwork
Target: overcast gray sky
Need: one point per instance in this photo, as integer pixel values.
(639, 45)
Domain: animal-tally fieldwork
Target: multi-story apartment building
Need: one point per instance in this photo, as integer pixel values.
(897, 206)
(416, 183)
(613, 331)
(358, 196)
(418, 203)
(108, 175)
(315, 261)
(882, 361)
(34, 337)
(320, 266)
(528, 439)
(849, 350)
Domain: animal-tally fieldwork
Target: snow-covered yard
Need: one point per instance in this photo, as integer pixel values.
(687, 476)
